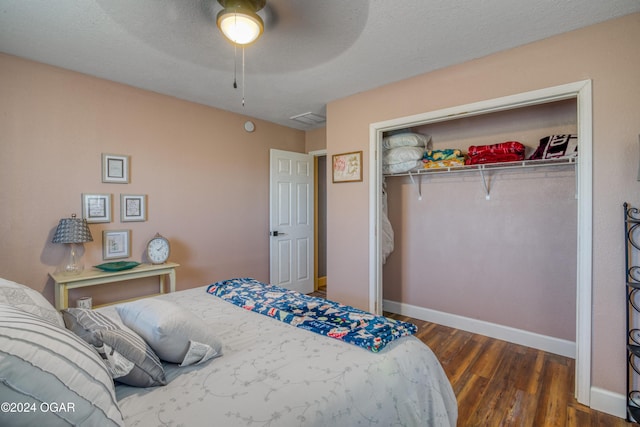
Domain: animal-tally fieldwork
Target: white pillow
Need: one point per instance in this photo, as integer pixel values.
(29, 300)
(407, 139)
(402, 154)
(403, 167)
(175, 334)
(42, 365)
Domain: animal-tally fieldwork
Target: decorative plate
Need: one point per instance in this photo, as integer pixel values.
(117, 266)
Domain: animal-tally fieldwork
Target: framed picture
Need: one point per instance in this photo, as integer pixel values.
(96, 207)
(133, 207)
(347, 167)
(115, 168)
(116, 244)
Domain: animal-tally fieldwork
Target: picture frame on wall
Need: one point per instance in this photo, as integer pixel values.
(96, 207)
(115, 168)
(116, 244)
(347, 167)
(133, 207)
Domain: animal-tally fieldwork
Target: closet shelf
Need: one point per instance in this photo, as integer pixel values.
(490, 167)
(485, 167)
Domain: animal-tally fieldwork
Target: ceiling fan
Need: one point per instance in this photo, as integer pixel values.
(241, 25)
(239, 21)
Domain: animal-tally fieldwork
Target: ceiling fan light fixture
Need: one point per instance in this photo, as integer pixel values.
(239, 21)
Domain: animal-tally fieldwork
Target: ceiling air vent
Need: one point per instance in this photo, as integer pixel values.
(309, 119)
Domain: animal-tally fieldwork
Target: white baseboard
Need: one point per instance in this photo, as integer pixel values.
(609, 402)
(493, 330)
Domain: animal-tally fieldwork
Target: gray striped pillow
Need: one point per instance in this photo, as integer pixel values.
(42, 364)
(127, 356)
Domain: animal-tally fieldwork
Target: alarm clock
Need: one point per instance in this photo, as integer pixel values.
(158, 249)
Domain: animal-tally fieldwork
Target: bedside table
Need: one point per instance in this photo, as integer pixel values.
(92, 277)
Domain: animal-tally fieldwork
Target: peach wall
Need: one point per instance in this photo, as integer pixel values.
(316, 139)
(607, 54)
(207, 180)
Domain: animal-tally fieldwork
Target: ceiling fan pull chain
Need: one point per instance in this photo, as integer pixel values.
(243, 76)
(235, 61)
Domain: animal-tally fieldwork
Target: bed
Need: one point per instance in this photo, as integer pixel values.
(266, 373)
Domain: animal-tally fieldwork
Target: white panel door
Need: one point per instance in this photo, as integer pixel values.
(291, 220)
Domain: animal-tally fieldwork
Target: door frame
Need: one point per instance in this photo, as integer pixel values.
(582, 92)
(317, 281)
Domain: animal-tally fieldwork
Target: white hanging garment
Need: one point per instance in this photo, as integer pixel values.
(386, 229)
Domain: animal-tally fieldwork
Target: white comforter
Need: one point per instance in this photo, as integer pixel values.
(274, 374)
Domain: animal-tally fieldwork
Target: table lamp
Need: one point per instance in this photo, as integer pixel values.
(72, 231)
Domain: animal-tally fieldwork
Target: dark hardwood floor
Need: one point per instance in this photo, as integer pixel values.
(502, 384)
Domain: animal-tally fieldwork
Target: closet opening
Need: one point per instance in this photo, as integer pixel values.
(483, 213)
(320, 222)
(319, 219)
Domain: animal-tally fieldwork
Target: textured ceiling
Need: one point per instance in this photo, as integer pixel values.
(312, 51)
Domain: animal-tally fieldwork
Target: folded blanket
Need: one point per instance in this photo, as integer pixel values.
(446, 154)
(556, 146)
(446, 158)
(510, 151)
(324, 317)
(449, 163)
(494, 158)
(502, 148)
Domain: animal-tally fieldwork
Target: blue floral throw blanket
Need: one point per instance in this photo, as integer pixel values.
(314, 314)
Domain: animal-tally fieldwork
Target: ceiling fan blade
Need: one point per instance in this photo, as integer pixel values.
(270, 17)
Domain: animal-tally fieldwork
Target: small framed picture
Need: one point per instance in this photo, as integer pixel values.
(133, 207)
(96, 207)
(116, 244)
(115, 168)
(347, 167)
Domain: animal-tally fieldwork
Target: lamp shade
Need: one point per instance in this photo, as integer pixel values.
(72, 230)
(239, 21)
